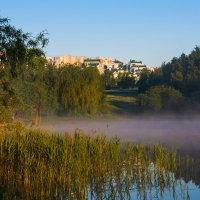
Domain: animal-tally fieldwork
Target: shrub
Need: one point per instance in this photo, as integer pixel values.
(161, 98)
(5, 114)
(195, 97)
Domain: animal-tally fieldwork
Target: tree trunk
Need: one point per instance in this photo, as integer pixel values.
(14, 117)
(37, 116)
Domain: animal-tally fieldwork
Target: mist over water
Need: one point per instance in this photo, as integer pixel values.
(179, 132)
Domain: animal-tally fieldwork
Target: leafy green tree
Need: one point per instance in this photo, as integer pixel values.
(109, 81)
(195, 98)
(161, 98)
(17, 48)
(10, 100)
(38, 88)
(17, 53)
(143, 83)
(126, 80)
(80, 90)
(182, 73)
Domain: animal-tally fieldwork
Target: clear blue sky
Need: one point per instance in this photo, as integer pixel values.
(153, 31)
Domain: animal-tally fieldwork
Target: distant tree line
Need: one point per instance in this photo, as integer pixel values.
(172, 84)
(124, 80)
(28, 84)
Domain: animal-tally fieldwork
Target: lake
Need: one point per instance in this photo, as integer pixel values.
(180, 133)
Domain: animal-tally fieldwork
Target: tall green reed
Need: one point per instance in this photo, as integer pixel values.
(35, 164)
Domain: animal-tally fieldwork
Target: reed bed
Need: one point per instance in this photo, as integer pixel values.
(35, 164)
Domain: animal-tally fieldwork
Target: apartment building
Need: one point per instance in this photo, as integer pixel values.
(118, 67)
(67, 59)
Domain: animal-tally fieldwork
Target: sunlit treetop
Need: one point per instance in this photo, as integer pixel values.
(17, 47)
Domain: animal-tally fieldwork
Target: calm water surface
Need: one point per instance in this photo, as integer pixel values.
(180, 133)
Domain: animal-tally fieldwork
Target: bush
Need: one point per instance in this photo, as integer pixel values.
(126, 82)
(195, 97)
(161, 98)
(5, 114)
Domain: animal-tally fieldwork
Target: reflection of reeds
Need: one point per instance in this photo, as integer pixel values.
(37, 165)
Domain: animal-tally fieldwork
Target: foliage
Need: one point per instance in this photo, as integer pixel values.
(195, 100)
(17, 48)
(182, 73)
(29, 84)
(149, 79)
(80, 90)
(19, 52)
(109, 81)
(143, 82)
(37, 165)
(126, 80)
(161, 98)
(5, 114)
(38, 89)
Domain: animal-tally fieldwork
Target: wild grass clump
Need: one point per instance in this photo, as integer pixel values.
(35, 164)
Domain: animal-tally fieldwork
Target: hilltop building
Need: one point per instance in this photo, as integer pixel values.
(68, 59)
(50, 60)
(135, 66)
(102, 64)
(97, 63)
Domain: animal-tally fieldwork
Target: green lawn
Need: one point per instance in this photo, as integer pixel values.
(121, 101)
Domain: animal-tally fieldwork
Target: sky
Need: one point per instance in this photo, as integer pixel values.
(151, 31)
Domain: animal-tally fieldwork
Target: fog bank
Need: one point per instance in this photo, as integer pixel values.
(177, 132)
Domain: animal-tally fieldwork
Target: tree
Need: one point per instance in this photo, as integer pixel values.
(182, 73)
(18, 53)
(161, 98)
(126, 80)
(18, 48)
(143, 83)
(80, 90)
(38, 88)
(109, 80)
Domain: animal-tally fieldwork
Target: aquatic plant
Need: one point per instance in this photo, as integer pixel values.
(36, 164)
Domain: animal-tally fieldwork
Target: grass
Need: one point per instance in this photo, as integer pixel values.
(121, 101)
(35, 164)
